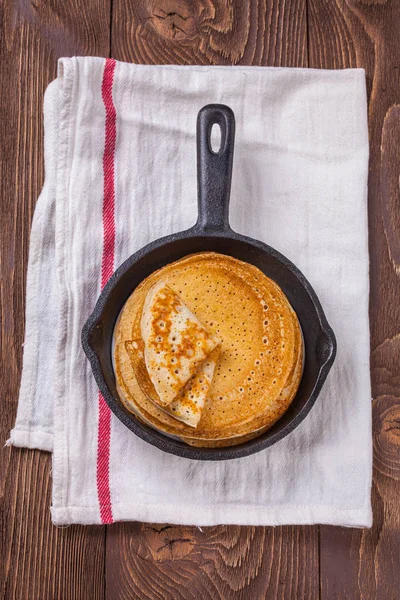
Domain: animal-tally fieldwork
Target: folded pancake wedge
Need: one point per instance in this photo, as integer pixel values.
(175, 342)
(189, 403)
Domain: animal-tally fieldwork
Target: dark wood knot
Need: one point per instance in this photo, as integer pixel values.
(168, 542)
(387, 436)
(173, 20)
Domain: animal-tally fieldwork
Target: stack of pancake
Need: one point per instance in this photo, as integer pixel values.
(208, 350)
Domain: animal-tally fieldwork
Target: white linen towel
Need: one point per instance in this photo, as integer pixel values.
(120, 158)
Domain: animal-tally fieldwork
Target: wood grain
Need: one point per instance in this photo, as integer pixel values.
(248, 32)
(364, 33)
(37, 560)
(40, 560)
(165, 562)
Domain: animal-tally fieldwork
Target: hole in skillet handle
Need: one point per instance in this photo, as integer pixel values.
(216, 141)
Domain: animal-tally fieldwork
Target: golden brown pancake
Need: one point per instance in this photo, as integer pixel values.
(259, 369)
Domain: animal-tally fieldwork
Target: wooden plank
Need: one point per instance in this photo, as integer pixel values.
(364, 33)
(164, 562)
(169, 562)
(37, 560)
(250, 32)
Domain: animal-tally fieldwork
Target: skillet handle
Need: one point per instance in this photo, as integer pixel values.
(214, 169)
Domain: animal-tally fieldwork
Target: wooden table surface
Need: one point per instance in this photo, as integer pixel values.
(142, 561)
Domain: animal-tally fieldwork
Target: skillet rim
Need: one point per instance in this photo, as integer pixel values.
(160, 440)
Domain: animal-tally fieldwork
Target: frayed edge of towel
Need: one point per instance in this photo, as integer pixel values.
(34, 439)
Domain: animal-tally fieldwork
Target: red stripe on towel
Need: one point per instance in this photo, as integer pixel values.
(107, 267)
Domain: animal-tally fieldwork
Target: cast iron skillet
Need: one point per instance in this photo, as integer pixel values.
(212, 232)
